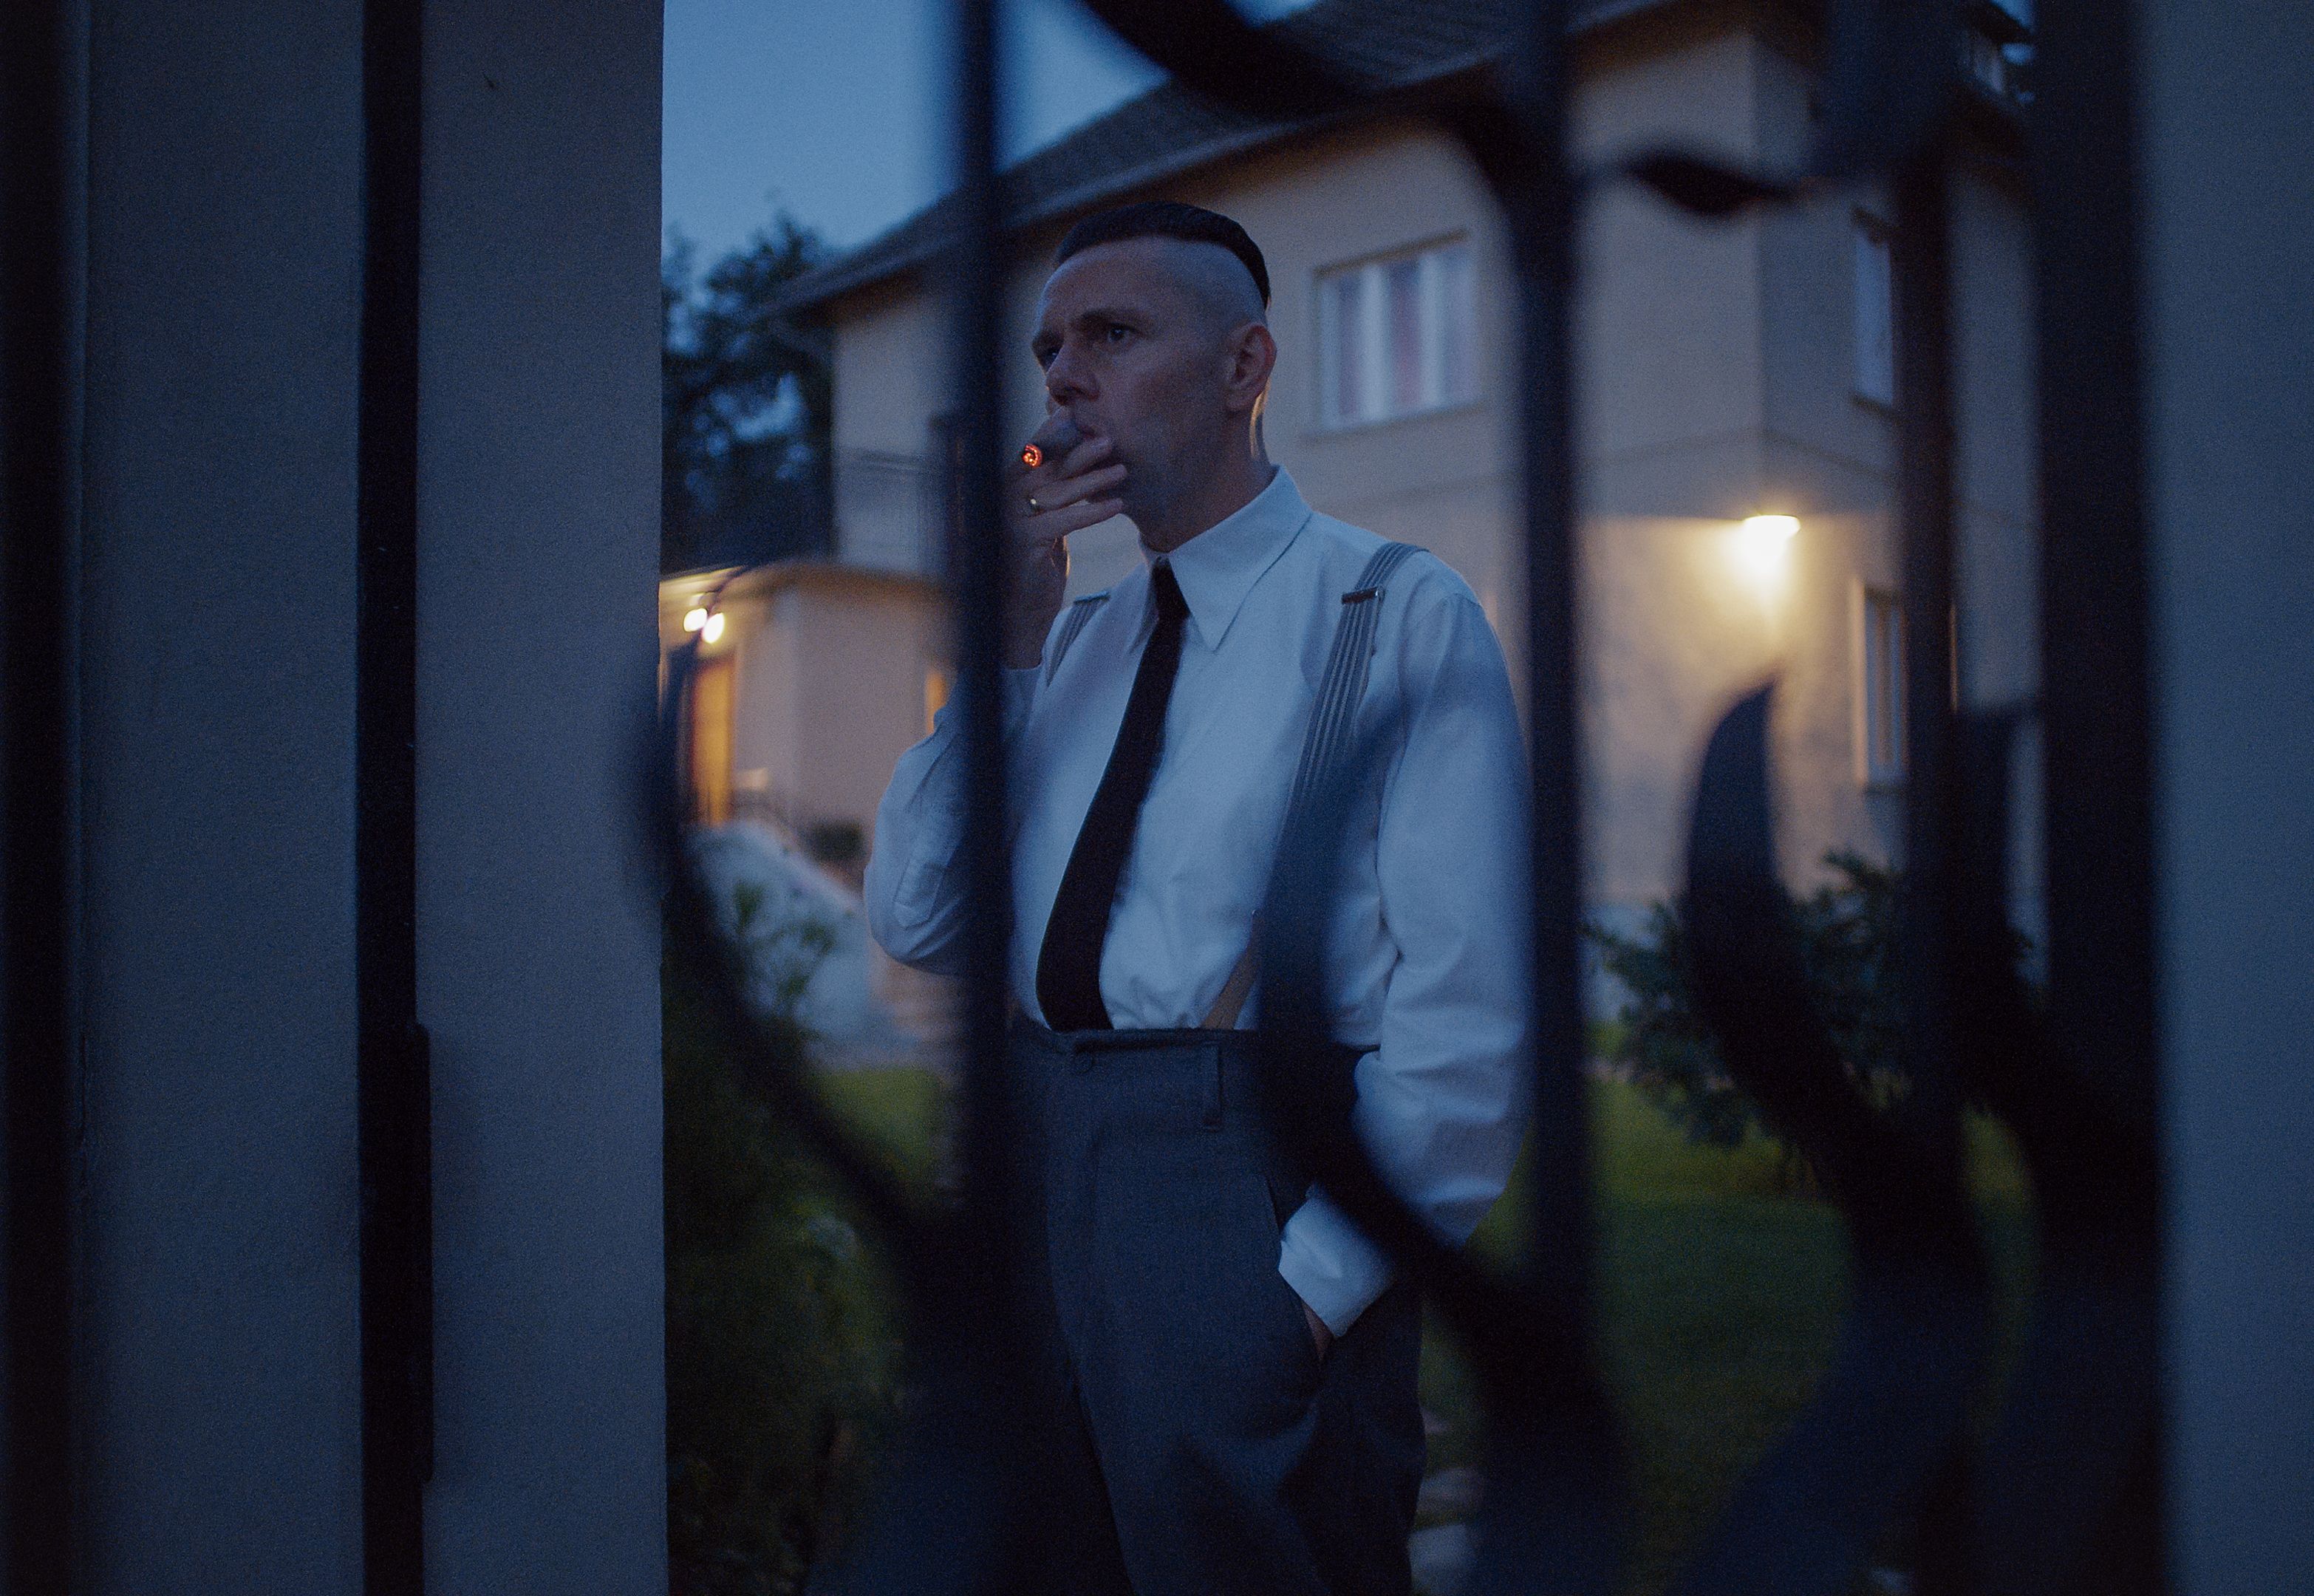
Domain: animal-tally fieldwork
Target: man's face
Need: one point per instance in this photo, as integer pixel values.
(1134, 355)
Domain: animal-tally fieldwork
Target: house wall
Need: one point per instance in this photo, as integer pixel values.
(1998, 492)
(767, 737)
(891, 378)
(831, 666)
(861, 656)
(1830, 456)
(839, 670)
(1714, 368)
(1673, 334)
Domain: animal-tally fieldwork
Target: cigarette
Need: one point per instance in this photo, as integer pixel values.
(1054, 439)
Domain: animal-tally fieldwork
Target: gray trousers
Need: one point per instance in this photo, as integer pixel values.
(1193, 1443)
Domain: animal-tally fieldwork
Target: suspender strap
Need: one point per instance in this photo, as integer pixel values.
(1222, 1014)
(1326, 743)
(1343, 687)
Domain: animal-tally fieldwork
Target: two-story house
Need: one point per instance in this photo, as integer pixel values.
(1737, 399)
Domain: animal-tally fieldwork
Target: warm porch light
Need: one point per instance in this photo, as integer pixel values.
(711, 628)
(1757, 553)
(694, 618)
(1765, 539)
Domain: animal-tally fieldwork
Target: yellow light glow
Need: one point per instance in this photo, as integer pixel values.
(1762, 542)
(1757, 555)
(694, 618)
(711, 629)
(1772, 531)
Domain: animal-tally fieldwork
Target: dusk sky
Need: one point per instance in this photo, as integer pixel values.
(837, 109)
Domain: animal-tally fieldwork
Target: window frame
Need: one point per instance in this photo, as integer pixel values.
(1434, 311)
(1868, 229)
(1877, 639)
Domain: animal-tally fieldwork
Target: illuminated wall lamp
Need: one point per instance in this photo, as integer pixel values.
(1771, 533)
(711, 629)
(1761, 542)
(694, 618)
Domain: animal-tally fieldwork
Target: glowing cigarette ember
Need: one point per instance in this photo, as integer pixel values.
(1054, 440)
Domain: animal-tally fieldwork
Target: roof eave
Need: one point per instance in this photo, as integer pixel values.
(812, 294)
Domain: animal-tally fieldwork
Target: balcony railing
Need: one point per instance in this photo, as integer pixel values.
(889, 511)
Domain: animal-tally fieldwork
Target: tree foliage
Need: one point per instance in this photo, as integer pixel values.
(1846, 931)
(781, 1362)
(743, 395)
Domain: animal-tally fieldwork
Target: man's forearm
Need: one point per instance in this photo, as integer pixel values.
(912, 892)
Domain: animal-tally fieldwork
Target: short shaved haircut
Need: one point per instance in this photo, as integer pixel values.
(1225, 299)
(1200, 243)
(1169, 218)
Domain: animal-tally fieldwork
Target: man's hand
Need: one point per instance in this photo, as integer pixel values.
(1069, 494)
(1318, 1331)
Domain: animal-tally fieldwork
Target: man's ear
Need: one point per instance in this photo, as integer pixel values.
(1253, 357)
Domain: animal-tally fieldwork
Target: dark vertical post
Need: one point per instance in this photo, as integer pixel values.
(392, 1088)
(36, 572)
(977, 574)
(1571, 1435)
(978, 582)
(2096, 689)
(1920, 252)
(1542, 221)
(2095, 672)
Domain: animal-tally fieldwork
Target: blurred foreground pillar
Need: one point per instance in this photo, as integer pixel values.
(223, 184)
(2227, 223)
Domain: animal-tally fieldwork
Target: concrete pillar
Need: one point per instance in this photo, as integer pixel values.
(2225, 98)
(219, 1406)
(538, 975)
(218, 1382)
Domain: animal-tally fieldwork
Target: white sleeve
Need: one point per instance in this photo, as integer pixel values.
(1441, 1105)
(914, 892)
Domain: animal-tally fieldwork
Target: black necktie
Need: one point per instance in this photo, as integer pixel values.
(1068, 966)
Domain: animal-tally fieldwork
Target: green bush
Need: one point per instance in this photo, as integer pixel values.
(1846, 931)
(782, 1361)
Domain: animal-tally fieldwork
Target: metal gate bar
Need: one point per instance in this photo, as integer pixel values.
(37, 629)
(393, 1086)
(2080, 1498)
(2096, 665)
(978, 581)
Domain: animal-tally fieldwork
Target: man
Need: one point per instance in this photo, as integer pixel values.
(1228, 1365)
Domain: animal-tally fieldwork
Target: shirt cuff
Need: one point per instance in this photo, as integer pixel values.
(1330, 1263)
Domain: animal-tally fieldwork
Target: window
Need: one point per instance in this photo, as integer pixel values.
(1876, 314)
(1394, 336)
(1880, 690)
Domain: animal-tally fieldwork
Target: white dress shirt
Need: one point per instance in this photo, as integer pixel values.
(1426, 954)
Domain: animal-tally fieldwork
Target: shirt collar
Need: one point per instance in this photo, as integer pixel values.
(1218, 567)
